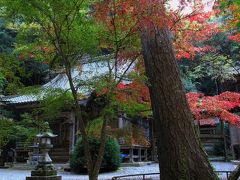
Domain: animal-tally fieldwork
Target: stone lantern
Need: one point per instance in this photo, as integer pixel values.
(45, 169)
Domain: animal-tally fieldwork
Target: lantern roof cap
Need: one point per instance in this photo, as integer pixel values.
(46, 135)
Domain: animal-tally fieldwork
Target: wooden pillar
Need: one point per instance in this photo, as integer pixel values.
(60, 134)
(131, 154)
(153, 141)
(145, 154)
(139, 154)
(224, 140)
(197, 128)
(120, 122)
(77, 129)
(233, 153)
(72, 132)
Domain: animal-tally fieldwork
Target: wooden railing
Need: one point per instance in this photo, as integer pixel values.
(155, 176)
(138, 176)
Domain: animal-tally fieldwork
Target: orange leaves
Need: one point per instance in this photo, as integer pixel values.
(193, 28)
(231, 118)
(40, 53)
(219, 106)
(234, 21)
(202, 107)
(229, 96)
(116, 15)
(200, 18)
(124, 18)
(235, 37)
(132, 92)
(230, 10)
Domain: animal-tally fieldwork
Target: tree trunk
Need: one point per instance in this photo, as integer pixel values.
(235, 174)
(179, 153)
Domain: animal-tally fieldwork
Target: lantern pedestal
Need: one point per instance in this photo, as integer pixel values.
(45, 172)
(44, 178)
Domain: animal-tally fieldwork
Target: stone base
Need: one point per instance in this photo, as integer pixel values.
(44, 178)
(44, 173)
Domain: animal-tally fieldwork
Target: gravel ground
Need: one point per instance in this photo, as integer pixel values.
(12, 174)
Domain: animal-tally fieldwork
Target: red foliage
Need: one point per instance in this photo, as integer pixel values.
(132, 92)
(128, 17)
(215, 106)
(202, 107)
(231, 25)
(235, 37)
(125, 18)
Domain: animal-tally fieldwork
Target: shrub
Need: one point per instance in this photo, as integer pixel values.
(111, 160)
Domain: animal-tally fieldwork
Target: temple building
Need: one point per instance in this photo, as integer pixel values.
(219, 138)
(66, 126)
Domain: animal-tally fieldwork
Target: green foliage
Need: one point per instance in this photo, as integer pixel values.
(2, 82)
(209, 69)
(24, 130)
(224, 46)
(94, 127)
(7, 38)
(36, 72)
(54, 102)
(15, 72)
(111, 159)
(27, 128)
(133, 109)
(6, 132)
(47, 26)
(218, 67)
(189, 86)
(9, 68)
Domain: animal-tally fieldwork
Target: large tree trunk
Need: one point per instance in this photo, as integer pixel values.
(235, 174)
(180, 156)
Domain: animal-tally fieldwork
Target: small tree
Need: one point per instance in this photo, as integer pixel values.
(111, 160)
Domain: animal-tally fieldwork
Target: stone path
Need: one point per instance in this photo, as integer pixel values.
(10, 174)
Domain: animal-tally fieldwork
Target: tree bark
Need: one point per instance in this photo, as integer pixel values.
(179, 153)
(235, 174)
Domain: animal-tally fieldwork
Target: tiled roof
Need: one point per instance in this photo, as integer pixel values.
(87, 71)
(19, 99)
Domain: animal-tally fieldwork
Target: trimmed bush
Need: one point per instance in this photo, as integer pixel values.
(111, 160)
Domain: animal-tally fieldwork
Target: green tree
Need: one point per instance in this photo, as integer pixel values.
(218, 64)
(10, 73)
(6, 131)
(67, 32)
(24, 130)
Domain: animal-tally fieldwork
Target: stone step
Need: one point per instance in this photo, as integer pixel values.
(60, 159)
(59, 153)
(59, 150)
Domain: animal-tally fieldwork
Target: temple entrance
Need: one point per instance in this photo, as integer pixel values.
(61, 144)
(62, 129)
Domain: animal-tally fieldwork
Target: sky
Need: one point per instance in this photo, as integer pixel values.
(175, 3)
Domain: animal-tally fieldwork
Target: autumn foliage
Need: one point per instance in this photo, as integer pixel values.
(231, 10)
(221, 106)
(133, 91)
(126, 18)
(202, 107)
